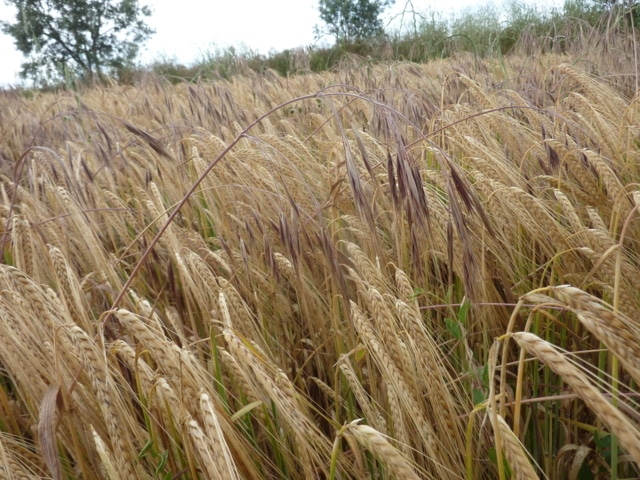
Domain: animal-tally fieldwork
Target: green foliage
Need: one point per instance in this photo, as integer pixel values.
(160, 460)
(172, 70)
(605, 12)
(518, 28)
(352, 21)
(493, 456)
(425, 42)
(64, 38)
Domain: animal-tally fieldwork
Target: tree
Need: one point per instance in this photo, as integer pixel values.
(352, 21)
(76, 37)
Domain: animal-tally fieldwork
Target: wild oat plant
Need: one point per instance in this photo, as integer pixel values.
(396, 271)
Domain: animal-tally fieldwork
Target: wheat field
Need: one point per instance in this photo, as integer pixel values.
(386, 271)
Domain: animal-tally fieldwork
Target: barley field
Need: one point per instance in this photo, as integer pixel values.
(387, 271)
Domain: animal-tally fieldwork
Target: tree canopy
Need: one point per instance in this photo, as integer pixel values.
(350, 21)
(76, 37)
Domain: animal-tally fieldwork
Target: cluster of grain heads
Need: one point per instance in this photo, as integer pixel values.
(339, 265)
(62, 355)
(616, 422)
(605, 388)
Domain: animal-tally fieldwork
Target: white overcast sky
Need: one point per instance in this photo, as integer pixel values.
(186, 29)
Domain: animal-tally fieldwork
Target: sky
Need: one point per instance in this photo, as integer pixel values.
(187, 29)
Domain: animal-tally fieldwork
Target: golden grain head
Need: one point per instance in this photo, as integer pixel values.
(346, 261)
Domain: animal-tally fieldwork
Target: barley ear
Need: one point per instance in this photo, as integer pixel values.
(377, 444)
(616, 422)
(521, 468)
